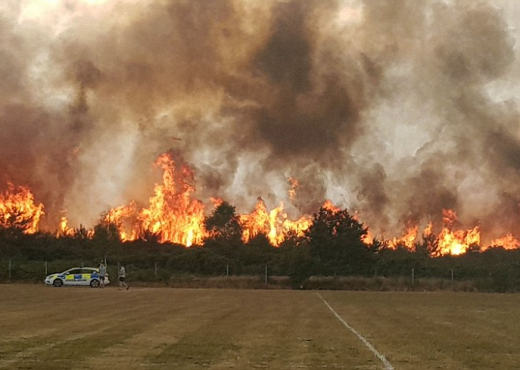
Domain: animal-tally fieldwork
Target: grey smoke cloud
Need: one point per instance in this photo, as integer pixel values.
(395, 109)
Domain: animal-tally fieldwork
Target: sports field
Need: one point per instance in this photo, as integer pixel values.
(162, 328)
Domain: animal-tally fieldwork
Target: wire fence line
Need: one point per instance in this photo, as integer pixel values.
(22, 270)
(14, 270)
(8, 267)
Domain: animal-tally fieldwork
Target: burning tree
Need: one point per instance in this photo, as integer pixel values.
(18, 211)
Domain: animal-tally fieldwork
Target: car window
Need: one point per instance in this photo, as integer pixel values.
(87, 271)
(74, 272)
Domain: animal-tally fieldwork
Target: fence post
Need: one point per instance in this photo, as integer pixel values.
(9, 270)
(155, 269)
(413, 275)
(46, 269)
(452, 276)
(265, 274)
(227, 270)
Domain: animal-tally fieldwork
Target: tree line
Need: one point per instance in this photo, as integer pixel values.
(332, 246)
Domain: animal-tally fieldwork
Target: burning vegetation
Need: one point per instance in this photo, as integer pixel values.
(19, 211)
(174, 216)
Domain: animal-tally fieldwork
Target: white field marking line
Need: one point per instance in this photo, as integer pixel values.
(388, 365)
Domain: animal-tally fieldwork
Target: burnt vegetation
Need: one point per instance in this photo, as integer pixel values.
(332, 249)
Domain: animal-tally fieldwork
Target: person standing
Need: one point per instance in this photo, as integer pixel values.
(102, 274)
(122, 277)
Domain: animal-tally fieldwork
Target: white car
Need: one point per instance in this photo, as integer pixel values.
(76, 276)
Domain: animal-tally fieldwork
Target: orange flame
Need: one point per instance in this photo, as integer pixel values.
(449, 241)
(428, 230)
(506, 242)
(294, 185)
(448, 217)
(18, 209)
(407, 240)
(275, 224)
(124, 219)
(457, 242)
(64, 229)
(258, 222)
(172, 215)
(329, 206)
(216, 201)
(368, 238)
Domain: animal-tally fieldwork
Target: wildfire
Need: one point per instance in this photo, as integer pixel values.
(275, 224)
(294, 185)
(124, 218)
(407, 240)
(64, 229)
(18, 209)
(172, 215)
(506, 242)
(457, 242)
(448, 241)
(329, 206)
(368, 238)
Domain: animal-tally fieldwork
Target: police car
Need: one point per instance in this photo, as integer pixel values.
(75, 276)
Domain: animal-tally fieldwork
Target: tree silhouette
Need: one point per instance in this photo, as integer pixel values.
(429, 245)
(81, 233)
(106, 231)
(335, 241)
(224, 223)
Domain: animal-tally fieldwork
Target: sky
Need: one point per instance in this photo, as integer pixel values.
(395, 110)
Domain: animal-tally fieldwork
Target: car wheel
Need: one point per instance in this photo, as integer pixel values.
(94, 283)
(57, 283)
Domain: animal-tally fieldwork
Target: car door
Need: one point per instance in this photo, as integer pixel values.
(73, 277)
(88, 275)
(82, 277)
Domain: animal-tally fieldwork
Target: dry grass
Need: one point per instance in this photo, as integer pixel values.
(163, 328)
(436, 330)
(230, 282)
(320, 283)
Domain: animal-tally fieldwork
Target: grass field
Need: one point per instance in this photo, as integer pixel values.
(163, 328)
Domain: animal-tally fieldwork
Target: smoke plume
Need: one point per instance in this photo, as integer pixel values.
(394, 109)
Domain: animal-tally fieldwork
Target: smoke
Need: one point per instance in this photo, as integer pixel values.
(395, 109)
